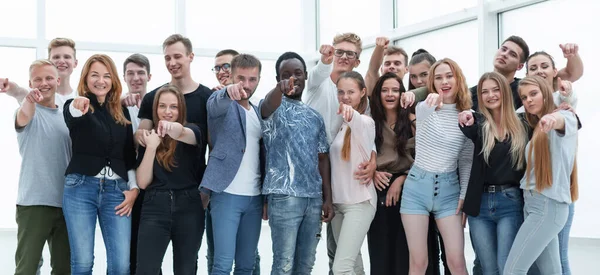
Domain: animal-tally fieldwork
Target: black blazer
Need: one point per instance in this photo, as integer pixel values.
(98, 141)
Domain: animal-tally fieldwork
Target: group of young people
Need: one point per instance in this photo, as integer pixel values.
(405, 169)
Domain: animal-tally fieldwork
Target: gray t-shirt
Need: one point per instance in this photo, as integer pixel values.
(45, 148)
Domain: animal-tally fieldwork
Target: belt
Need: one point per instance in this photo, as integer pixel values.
(493, 188)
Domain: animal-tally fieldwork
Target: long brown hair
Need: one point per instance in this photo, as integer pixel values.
(509, 122)
(113, 97)
(542, 164)
(165, 153)
(362, 107)
(463, 96)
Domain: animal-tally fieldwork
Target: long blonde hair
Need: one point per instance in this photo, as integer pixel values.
(509, 121)
(463, 96)
(542, 164)
(113, 98)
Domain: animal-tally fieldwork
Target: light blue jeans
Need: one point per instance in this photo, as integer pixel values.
(537, 240)
(89, 198)
(295, 232)
(563, 242)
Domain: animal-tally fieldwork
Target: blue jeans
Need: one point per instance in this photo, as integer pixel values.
(210, 247)
(236, 230)
(563, 242)
(295, 232)
(537, 239)
(174, 216)
(494, 230)
(89, 198)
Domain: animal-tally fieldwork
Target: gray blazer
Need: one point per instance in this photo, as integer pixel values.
(227, 129)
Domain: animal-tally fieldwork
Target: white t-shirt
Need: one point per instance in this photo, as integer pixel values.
(61, 99)
(247, 179)
(133, 113)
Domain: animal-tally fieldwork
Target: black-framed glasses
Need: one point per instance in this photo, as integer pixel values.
(225, 67)
(349, 54)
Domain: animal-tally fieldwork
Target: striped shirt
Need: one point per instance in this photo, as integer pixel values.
(440, 145)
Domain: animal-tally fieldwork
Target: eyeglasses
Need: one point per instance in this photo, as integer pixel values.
(225, 67)
(349, 54)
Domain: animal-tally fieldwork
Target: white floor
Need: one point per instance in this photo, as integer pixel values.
(584, 255)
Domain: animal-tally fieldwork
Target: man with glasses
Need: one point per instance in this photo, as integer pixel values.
(321, 95)
(222, 68)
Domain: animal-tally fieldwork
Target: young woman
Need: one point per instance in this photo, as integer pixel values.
(493, 202)
(100, 180)
(550, 181)
(172, 208)
(418, 68)
(354, 203)
(394, 140)
(542, 64)
(432, 185)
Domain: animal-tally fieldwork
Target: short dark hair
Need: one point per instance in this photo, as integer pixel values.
(138, 59)
(522, 44)
(227, 52)
(245, 61)
(286, 56)
(392, 50)
(174, 38)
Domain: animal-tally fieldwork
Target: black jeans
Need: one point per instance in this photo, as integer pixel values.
(388, 248)
(170, 215)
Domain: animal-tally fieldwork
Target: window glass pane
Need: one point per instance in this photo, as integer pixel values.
(462, 53)
(23, 13)
(411, 12)
(111, 21)
(10, 159)
(547, 35)
(340, 16)
(365, 57)
(267, 25)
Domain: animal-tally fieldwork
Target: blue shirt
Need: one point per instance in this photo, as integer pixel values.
(294, 136)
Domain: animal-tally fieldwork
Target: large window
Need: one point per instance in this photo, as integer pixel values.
(458, 43)
(20, 13)
(340, 16)
(111, 21)
(266, 25)
(412, 12)
(546, 34)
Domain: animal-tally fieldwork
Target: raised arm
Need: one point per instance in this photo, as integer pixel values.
(27, 110)
(76, 110)
(273, 99)
(321, 71)
(574, 69)
(381, 44)
(13, 90)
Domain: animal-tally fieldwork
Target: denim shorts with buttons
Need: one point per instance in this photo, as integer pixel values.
(427, 192)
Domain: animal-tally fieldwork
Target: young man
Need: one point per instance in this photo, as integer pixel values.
(222, 68)
(40, 122)
(61, 51)
(321, 95)
(297, 182)
(178, 53)
(233, 176)
(136, 70)
(394, 60)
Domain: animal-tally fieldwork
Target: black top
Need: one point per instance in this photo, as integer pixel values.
(514, 86)
(98, 141)
(499, 171)
(184, 174)
(196, 113)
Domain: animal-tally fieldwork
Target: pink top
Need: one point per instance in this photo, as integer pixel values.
(345, 189)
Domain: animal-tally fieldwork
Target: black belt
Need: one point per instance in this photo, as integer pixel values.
(493, 188)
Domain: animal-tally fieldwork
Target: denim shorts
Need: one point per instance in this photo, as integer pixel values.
(427, 192)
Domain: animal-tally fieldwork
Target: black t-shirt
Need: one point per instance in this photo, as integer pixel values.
(500, 169)
(184, 175)
(196, 113)
(514, 86)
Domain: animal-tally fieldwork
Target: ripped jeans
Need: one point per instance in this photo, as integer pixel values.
(295, 232)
